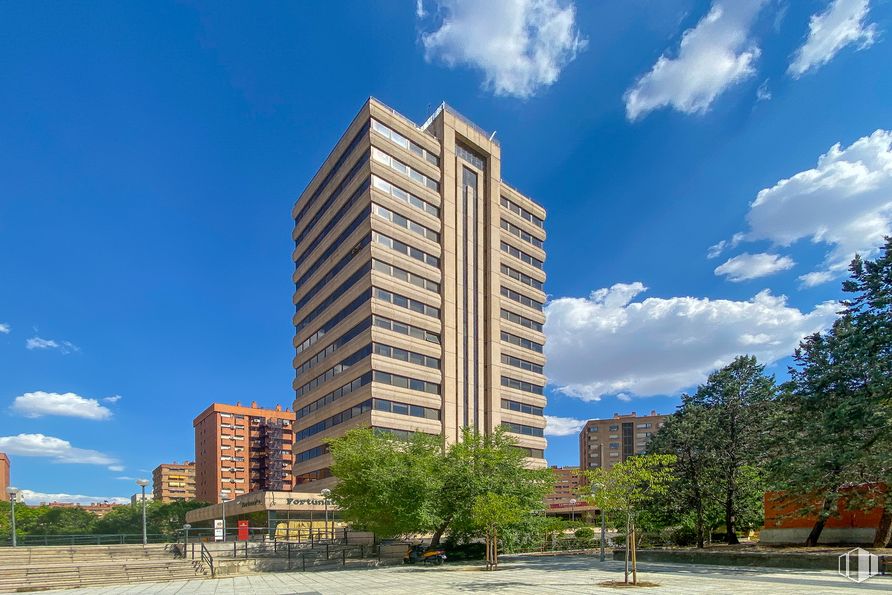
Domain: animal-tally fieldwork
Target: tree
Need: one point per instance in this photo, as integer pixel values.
(625, 489)
(491, 513)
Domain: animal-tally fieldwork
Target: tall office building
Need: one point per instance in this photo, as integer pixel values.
(418, 289)
(4, 476)
(173, 482)
(606, 442)
(242, 449)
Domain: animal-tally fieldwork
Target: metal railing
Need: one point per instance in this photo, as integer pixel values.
(206, 558)
(103, 539)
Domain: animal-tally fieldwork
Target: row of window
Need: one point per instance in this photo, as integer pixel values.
(400, 167)
(334, 296)
(405, 382)
(406, 356)
(522, 212)
(521, 407)
(404, 302)
(398, 434)
(521, 299)
(312, 476)
(334, 346)
(332, 272)
(521, 363)
(398, 139)
(334, 170)
(522, 429)
(333, 246)
(526, 387)
(533, 453)
(521, 255)
(404, 275)
(522, 234)
(521, 342)
(404, 196)
(523, 278)
(521, 320)
(401, 221)
(406, 329)
(405, 409)
(339, 368)
(334, 395)
(316, 451)
(334, 321)
(409, 251)
(470, 156)
(334, 420)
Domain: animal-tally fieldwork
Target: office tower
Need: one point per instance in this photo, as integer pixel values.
(605, 442)
(173, 481)
(242, 449)
(419, 289)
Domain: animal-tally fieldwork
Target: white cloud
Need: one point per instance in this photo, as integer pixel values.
(63, 346)
(844, 202)
(716, 54)
(763, 93)
(4, 328)
(520, 45)
(843, 23)
(116, 468)
(31, 497)
(126, 478)
(607, 343)
(112, 399)
(716, 249)
(40, 403)
(752, 266)
(562, 426)
(57, 449)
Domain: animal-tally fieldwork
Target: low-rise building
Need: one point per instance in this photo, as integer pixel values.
(174, 482)
(606, 442)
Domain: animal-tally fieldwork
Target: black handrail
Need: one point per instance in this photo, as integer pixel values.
(206, 557)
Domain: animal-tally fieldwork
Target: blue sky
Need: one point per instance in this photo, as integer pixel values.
(152, 153)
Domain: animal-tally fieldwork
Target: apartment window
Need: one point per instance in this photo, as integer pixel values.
(332, 273)
(613, 428)
(643, 426)
(301, 239)
(334, 420)
(521, 407)
(406, 329)
(406, 382)
(521, 342)
(521, 363)
(398, 139)
(405, 409)
(593, 428)
(404, 275)
(405, 223)
(408, 303)
(521, 299)
(334, 321)
(522, 320)
(522, 429)
(523, 278)
(521, 255)
(337, 369)
(614, 454)
(406, 356)
(522, 234)
(614, 445)
(522, 386)
(334, 346)
(401, 168)
(312, 453)
(402, 248)
(522, 212)
(533, 453)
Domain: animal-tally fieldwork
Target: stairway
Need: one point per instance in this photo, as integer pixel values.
(40, 568)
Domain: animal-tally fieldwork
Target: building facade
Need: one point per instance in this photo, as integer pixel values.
(4, 476)
(605, 442)
(173, 482)
(419, 288)
(566, 487)
(242, 449)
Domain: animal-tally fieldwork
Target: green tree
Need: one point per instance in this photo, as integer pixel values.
(492, 513)
(625, 489)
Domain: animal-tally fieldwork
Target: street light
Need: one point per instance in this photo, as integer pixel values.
(13, 492)
(223, 506)
(572, 509)
(143, 483)
(325, 494)
(186, 528)
(603, 524)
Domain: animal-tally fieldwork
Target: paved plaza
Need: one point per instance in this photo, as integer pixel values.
(522, 574)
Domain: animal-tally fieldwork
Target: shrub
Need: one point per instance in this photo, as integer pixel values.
(584, 533)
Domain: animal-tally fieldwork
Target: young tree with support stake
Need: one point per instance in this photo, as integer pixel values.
(493, 512)
(624, 489)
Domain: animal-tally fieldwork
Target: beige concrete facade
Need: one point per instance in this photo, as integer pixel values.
(419, 286)
(173, 482)
(606, 442)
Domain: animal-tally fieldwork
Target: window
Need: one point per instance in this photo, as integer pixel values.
(405, 382)
(521, 255)
(404, 275)
(398, 139)
(332, 273)
(405, 329)
(522, 429)
(470, 155)
(335, 295)
(521, 342)
(334, 346)
(312, 453)
(401, 168)
(522, 386)
(402, 248)
(406, 356)
(521, 407)
(334, 321)
(335, 370)
(593, 428)
(520, 363)
(522, 234)
(521, 212)
(403, 222)
(614, 445)
(404, 302)
(334, 395)
(357, 195)
(533, 453)
(334, 420)
(523, 278)
(404, 409)
(521, 320)
(521, 299)
(614, 427)
(643, 426)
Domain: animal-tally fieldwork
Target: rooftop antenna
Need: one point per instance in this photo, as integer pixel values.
(492, 136)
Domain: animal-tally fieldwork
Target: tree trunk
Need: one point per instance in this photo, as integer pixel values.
(700, 531)
(634, 557)
(435, 540)
(495, 548)
(626, 572)
(730, 532)
(884, 530)
(812, 539)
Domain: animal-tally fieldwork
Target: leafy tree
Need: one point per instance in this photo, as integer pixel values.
(491, 513)
(625, 489)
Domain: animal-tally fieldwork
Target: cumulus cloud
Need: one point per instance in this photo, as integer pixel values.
(63, 346)
(752, 266)
(57, 449)
(5, 328)
(33, 498)
(713, 56)
(842, 24)
(519, 45)
(844, 202)
(40, 403)
(112, 399)
(609, 343)
(562, 426)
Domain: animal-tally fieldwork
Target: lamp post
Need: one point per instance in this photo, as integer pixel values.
(325, 494)
(186, 528)
(143, 483)
(572, 509)
(13, 492)
(223, 506)
(603, 525)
